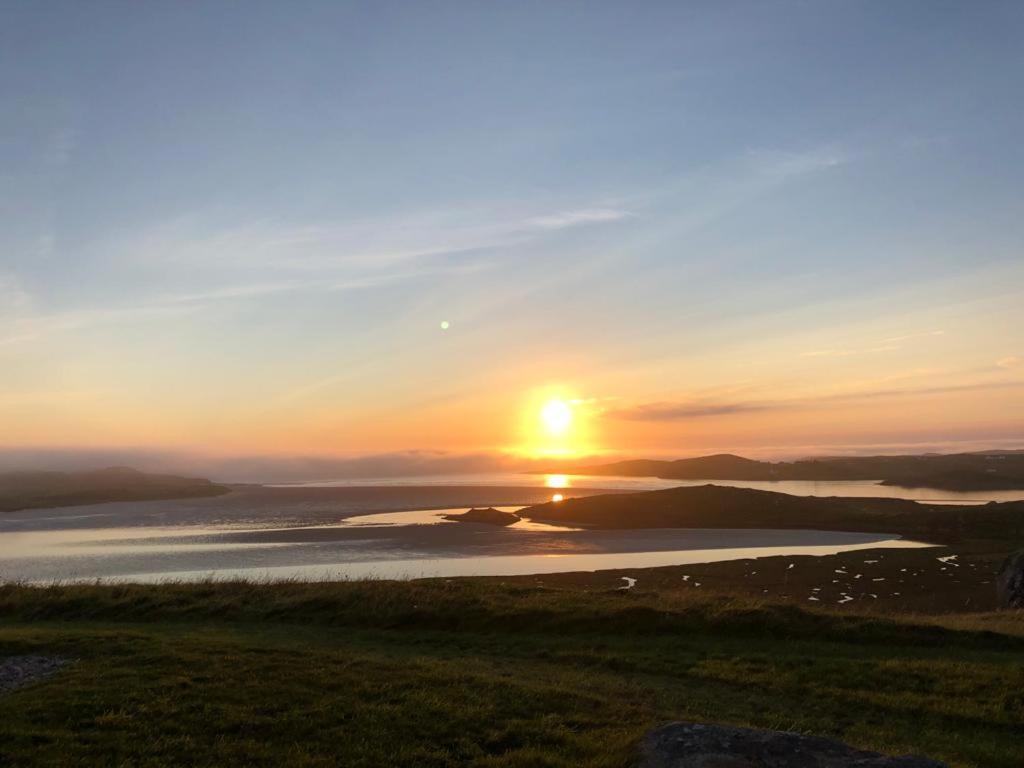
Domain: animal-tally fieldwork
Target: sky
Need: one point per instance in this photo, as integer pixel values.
(344, 229)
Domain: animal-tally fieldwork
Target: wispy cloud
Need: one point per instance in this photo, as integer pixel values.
(784, 164)
(687, 410)
(840, 352)
(33, 326)
(890, 344)
(1011, 361)
(683, 411)
(909, 336)
(261, 259)
(14, 299)
(565, 219)
(374, 242)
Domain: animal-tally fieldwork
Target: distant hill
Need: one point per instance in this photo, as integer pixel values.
(33, 490)
(713, 506)
(989, 470)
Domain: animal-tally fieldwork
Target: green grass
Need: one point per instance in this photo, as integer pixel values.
(473, 672)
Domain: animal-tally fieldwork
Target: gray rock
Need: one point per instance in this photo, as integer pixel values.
(16, 671)
(697, 745)
(1010, 582)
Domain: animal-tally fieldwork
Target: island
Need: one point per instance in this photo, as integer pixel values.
(488, 516)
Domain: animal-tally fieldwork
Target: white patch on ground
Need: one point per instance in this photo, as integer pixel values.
(630, 582)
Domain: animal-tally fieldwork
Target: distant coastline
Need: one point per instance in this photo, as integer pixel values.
(984, 471)
(38, 490)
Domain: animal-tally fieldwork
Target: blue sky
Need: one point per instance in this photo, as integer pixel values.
(238, 226)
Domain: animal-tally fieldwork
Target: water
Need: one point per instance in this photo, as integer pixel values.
(517, 565)
(393, 528)
(335, 533)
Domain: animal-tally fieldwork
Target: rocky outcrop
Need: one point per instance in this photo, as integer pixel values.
(697, 745)
(16, 671)
(1010, 581)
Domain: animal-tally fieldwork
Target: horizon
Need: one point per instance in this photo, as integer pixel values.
(272, 468)
(526, 233)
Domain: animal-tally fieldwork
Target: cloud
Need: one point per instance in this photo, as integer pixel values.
(688, 410)
(891, 344)
(567, 219)
(373, 242)
(784, 164)
(1011, 361)
(848, 352)
(682, 411)
(909, 336)
(14, 299)
(28, 328)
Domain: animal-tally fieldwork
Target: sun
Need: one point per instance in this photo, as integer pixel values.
(556, 416)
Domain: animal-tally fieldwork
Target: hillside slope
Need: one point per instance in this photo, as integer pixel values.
(33, 490)
(713, 506)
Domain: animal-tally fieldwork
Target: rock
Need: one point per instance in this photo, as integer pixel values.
(16, 671)
(490, 516)
(697, 745)
(1010, 581)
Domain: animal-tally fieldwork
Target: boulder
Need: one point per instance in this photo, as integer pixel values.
(16, 671)
(1010, 581)
(697, 745)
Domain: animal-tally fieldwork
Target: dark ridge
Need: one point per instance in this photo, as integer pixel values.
(713, 506)
(988, 470)
(35, 490)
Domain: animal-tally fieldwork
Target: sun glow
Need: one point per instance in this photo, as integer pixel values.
(556, 416)
(556, 423)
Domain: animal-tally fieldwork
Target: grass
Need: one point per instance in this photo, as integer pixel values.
(476, 672)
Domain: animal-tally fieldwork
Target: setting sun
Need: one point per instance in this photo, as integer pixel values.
(557, 417)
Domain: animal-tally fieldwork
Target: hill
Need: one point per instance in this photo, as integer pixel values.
(33, 490)
(712, 506)
(476, 672)
(988, 470)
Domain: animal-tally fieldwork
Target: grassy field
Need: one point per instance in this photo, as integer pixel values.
(476, 672)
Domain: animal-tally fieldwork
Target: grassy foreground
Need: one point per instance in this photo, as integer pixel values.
(474, 672)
